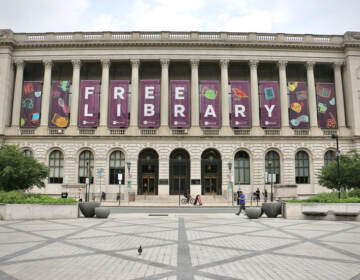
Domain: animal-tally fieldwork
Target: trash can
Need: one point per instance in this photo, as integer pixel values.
(64, 195)
(131, 196)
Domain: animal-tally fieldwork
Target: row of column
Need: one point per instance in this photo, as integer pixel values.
(165, 92)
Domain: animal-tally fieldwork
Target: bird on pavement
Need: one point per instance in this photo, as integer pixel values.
(140, 250)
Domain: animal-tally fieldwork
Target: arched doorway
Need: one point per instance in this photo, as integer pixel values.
(211, 173)
(148, 172)
(179, 173)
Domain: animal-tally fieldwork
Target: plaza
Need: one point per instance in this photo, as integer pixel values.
(179, 246)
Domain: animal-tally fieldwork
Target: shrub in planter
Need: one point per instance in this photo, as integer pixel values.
(272, 209)
(88, 208)
(253, 212)
(102, 212)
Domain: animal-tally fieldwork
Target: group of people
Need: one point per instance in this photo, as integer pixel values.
(197, 198)
(241, 199)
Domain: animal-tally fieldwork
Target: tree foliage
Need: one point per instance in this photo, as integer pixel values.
(20, 172)
(349, 175)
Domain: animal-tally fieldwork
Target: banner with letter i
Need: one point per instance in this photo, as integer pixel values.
(118, 104)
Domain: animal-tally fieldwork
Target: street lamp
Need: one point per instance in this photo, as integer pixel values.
(271, 181)
(336, 137)
(230, 182)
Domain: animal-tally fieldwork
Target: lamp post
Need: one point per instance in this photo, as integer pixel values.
(128, 163)
(336, 137)
(230, 183)
(87, 186)
(271, 181)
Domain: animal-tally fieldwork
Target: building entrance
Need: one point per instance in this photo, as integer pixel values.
(211, 173)
(148, 172)
(179, 173)
(211, 185)
(148, 184)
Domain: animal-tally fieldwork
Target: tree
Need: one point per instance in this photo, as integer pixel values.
(349, 172)
(20, 172)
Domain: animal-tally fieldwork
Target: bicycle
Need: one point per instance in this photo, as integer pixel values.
(185, 201)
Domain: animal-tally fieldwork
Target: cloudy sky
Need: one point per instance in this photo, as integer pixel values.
(287, 16)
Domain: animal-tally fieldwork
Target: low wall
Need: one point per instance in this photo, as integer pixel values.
(38, 211)
(322, 211)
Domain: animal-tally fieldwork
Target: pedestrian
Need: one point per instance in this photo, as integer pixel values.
(257, 195)
(241, 202)
(238, 195)
(196, 199)
(265, 195)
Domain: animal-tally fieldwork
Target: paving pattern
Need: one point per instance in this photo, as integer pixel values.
(179, 247)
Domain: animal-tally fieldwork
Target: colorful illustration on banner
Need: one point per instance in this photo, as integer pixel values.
(59, 121)
(37, 94)
(269, 93)
(300, 119)
(332, 101)
(322, 108)
(323, 92)
(28, 103)
(292, 86)
(22, 122)
(63, 106)
(301, 95)
(331, 123)
(35, 118)
(239, 93)
(296, 106)
(64, 85)
(28, 88)
(209, 93)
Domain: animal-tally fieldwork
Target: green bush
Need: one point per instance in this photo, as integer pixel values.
(354, 193)
(20, 197)
(332, 197)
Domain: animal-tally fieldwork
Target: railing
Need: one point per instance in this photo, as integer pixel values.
(54, 131)
(148, 131)
(179, 131)
(117, 131)
(329, 132)
(272, 132)
(86, 131)
(211, 132)
(301, 132)
(238, 131)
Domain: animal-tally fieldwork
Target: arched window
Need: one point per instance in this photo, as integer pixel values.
(179, 172)
(116, 166)
(86, 165)
(56, 166)
(272, 165)
(242, 168)
(148, 172)
(329, 157)
(28, 153)
(302, 174)
(211, 173)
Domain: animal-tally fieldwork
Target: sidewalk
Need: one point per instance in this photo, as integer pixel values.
(142, 203)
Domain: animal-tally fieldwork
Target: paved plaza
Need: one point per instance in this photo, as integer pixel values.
(179, 246)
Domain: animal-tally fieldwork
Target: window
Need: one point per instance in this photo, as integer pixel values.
(242, 168)
(329, 157)
(116, 166)
(86, 162)
(302, 168)
(56, 165)
(272, 165)
(28, 153)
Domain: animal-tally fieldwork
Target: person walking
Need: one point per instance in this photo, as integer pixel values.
(241, 199)
(265, 195)
(238, 195)
(257, 195)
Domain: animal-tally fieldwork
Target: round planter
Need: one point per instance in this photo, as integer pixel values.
(102, 212)
(253, 212)
(272, 209)
(88, 208)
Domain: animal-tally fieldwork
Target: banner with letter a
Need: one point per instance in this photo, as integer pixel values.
(240, 104)
(269, 104)
(179, 104)
(149, 113)
(31, 105)
(210, 104)
(89, 103)
(59, 112)
(326, 105)
(118, 104)
(298, 111)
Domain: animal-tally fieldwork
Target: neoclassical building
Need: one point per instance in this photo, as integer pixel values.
(180, 111)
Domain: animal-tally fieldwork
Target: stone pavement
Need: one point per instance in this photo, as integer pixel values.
(180, 246)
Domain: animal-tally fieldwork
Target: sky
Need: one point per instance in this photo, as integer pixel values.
(277, 16)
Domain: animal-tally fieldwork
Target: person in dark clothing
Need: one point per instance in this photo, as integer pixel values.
(238, 195)
(265, 195)
(241, 202)
(257, 196)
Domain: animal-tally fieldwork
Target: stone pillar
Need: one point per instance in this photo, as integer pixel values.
(75, 92)
(164, 88)
(104, 96)
(6, 91)
(224, 63)
(46, 92)
(312, 94)
(195, 110)
(17, 92)
(284, 101)
(339, 95)
(134, 93)
(254, 95)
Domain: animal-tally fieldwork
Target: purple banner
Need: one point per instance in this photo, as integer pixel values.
(149, 103)
(89, 104)
(269, 104)
(59, 104)
(240, 104)
(298, 111)
(179, 104)
(326, 105)
(31, 105)
(210, 104)
(118, 104)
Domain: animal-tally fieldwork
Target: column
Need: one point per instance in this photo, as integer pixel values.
(104, 95)
(46, 92)
(339, 95)
(224, 63)
(75, 92)
(312, 94)
(6, 91)
(164, 113)
(17, 92)
(284, 102)
(254, 94)
(195, 110)
(134, 92)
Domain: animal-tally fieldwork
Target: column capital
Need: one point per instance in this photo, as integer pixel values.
(135, 62)
(165, 62)
(310, 65)
(19, 63)
(105, 62)
(76, 63)
(253, 63)
(47, 63)
(224, 62)
(337, 64)
(194, 62)
(282, 64)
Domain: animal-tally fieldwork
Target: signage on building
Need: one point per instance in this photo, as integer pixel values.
(269, 104)
(31, 105)
(240, 104)
(59, 112)
(118, 104)
(298, 111)
(326, 105)
(180, 104)
(149, 113)
(210, 104)
(89, 104)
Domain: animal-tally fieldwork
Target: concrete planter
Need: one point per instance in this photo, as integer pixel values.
(272, 209)
(38, 211)
(102, 212)
(253, 212)
(88, 208)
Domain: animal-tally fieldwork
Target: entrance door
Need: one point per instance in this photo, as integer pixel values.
(211, 185)
(148, 184)
(211, 172)
(179, 185)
